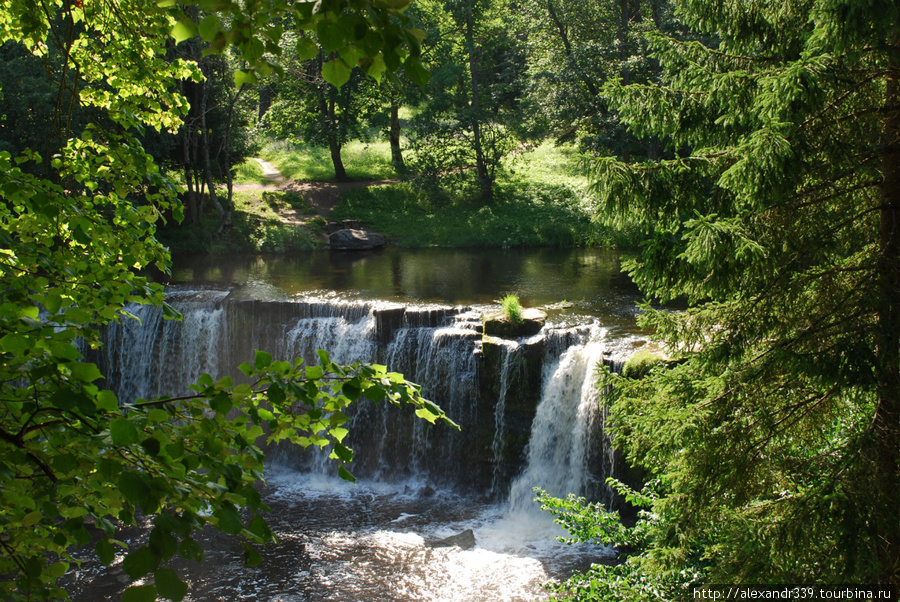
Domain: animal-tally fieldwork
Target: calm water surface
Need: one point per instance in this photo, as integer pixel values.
(588, 281)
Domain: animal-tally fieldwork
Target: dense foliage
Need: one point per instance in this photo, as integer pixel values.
(77, 222)
(774, 441)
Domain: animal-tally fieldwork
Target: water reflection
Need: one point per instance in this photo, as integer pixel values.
(588, 280)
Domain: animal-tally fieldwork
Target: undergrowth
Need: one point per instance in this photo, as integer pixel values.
(539, 200)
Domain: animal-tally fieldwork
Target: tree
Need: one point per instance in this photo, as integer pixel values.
(574, 47)
(309, 107)
(467, 124)
(76, 232)
(773, 439)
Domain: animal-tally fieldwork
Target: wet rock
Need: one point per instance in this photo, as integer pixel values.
(464, 540)
(355, 240)
(498, 324)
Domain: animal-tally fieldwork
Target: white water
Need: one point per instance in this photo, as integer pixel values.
(564, 428)
(498, 446)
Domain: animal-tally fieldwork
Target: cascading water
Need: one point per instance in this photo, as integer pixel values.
(419, 483)
(565, 430)
(498, 446)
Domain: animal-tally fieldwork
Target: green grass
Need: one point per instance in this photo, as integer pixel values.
(257, 228)
(362, 161)
(548, 164)
(512, 308)
(539, 200)
(520, 216)
(270, 204)
(641, 363)
(250, 172)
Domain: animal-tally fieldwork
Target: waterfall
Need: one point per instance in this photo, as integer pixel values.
(498, 446)
(562, 451)
(150, 356)
(528, 409)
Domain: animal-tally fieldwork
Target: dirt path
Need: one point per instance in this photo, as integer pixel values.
(322, 196)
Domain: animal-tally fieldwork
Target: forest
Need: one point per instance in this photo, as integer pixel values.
(744, 156)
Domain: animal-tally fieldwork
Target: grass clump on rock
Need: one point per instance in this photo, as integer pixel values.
(512, 309)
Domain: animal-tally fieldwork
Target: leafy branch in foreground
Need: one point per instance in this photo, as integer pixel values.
(77, 237)
(76, 459)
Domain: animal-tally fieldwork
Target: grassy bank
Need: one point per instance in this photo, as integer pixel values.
(256, 228)
(539, 200)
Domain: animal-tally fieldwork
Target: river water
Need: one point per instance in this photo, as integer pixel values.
(376, 540)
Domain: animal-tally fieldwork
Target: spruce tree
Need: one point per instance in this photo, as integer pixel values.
(772, 441)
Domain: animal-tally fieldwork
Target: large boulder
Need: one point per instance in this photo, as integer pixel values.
(355, 240)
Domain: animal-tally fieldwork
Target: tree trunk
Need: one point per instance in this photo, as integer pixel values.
(396, 153)
(886, 425)
(265, 100)
(226, 147)
(190, 199)
(327, 107)
(224, 212)
(567, 46)
(484, 181)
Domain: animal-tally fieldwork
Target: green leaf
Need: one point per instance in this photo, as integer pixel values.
(185, 29)
(242, 77)
(123, 432)
(34, 567)
(229, 520)
(351, 390)
(343, 453)
(221, 403)
(262, 360)
(15, 343)
(53, 302)
(84, 371)
(32, 518)
(57, 569)
(139, 593)
(251, 556)
(336, 73)
(427, 415)
(209, 27)
(137, 490)
(191, 550)
(331, 35)
(140, 562)
(260, 528)
(307, 49)
(105, 551)
(416, 72)
(346, 475)
(314, 372)
(106, 401)
(151, 446)
(169, 585)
